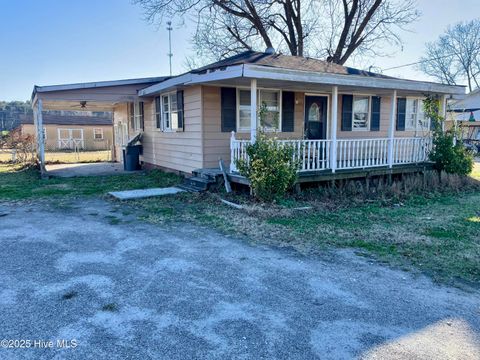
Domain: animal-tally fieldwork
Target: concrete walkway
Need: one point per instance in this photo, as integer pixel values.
(90, 271)
(86, 169)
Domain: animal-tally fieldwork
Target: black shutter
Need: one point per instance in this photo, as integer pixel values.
(142, 115)
(288, 111)
(375, 114)
(347, 104)
(229, 109)
(401, 109)
(158, 112)
(180, 110)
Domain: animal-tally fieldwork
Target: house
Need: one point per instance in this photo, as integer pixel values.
(70, 132)
(340, 119)
(464, 115)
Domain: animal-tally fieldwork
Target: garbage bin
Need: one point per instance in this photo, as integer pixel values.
(131, 157)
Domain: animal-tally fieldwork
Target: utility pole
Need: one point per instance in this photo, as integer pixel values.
(170, 54)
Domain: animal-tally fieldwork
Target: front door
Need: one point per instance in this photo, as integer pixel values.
(315, 117)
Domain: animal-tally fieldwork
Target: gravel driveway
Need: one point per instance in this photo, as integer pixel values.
(117, 288)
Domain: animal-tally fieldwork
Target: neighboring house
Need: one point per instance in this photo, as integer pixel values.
(465, 115)
(72, 132)
(339, 118)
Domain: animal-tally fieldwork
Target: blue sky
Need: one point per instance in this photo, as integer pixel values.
(62, 41)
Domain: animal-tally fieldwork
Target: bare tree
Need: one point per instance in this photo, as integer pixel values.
(333, 29)
(455, 56)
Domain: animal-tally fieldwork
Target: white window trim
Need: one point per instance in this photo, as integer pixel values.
(369, 112)
(417, 126)
(280, 108)
(95, 133)
(165, 128)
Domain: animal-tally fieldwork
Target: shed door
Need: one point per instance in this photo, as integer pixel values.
(315, 117)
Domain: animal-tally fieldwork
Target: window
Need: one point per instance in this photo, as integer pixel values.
(98, 134)
(169, 111)
(158, 112)
(136, 115)
(415, 117)
(360, 113)
(244, 110)
(314, 113)
(268, 103)
(269, 116)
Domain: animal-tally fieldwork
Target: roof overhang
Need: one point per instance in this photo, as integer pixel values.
(250, 71)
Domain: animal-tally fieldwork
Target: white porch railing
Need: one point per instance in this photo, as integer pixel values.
(314, 155)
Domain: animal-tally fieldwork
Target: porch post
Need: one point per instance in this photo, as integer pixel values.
(253, 110)
(38, 119)
(333, 129)
(391, 128)
(443, 110)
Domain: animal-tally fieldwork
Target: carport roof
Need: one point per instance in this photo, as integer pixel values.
(97, 84)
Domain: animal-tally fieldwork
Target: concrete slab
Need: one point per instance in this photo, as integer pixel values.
(86, 169)
(144, 193)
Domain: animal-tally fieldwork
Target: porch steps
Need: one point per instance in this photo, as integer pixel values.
(202, 180)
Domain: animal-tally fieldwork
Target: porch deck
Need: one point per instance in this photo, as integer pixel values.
(346, 155)
(327, 175)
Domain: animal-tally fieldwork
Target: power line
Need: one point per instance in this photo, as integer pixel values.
(418, 62)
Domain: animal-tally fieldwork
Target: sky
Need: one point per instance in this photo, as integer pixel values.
(62, 41)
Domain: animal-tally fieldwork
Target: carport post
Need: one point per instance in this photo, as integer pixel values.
(37, 112)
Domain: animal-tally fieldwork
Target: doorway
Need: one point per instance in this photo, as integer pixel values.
(316, 117)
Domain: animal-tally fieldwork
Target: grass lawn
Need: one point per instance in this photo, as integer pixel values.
(26, 184)
(437, 233)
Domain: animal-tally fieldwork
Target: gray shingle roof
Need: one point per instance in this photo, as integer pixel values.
(287, 62)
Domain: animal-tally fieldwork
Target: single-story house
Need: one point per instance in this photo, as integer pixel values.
(339, 118)
(70, 132)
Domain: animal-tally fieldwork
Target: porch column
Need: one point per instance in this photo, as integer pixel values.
(443, 110)
(391, 128)
(38, 120)
(333, 129)
(253, 110)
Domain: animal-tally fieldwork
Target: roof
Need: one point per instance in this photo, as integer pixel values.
(287, 62)
(98, 84)
(287, 68)
(51, 119)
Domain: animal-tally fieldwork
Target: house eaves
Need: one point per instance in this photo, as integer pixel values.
(275, 73)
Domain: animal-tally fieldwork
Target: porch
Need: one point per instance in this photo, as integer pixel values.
(345, 154)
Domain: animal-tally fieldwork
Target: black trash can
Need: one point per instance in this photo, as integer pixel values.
(131, 157)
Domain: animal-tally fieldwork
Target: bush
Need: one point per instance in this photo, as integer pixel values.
(450, 158)
(22, 145)
(453, 159)
(270, 168)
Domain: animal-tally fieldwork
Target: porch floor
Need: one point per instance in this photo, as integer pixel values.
(327, 175)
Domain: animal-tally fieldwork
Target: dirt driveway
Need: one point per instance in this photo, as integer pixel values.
(124, 289)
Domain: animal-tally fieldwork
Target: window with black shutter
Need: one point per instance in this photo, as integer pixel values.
(401, 110)
(288, 111)
(375, 114)
(228, 109)
(347, 104)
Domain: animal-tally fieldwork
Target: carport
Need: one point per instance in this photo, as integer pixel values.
(93, 96)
